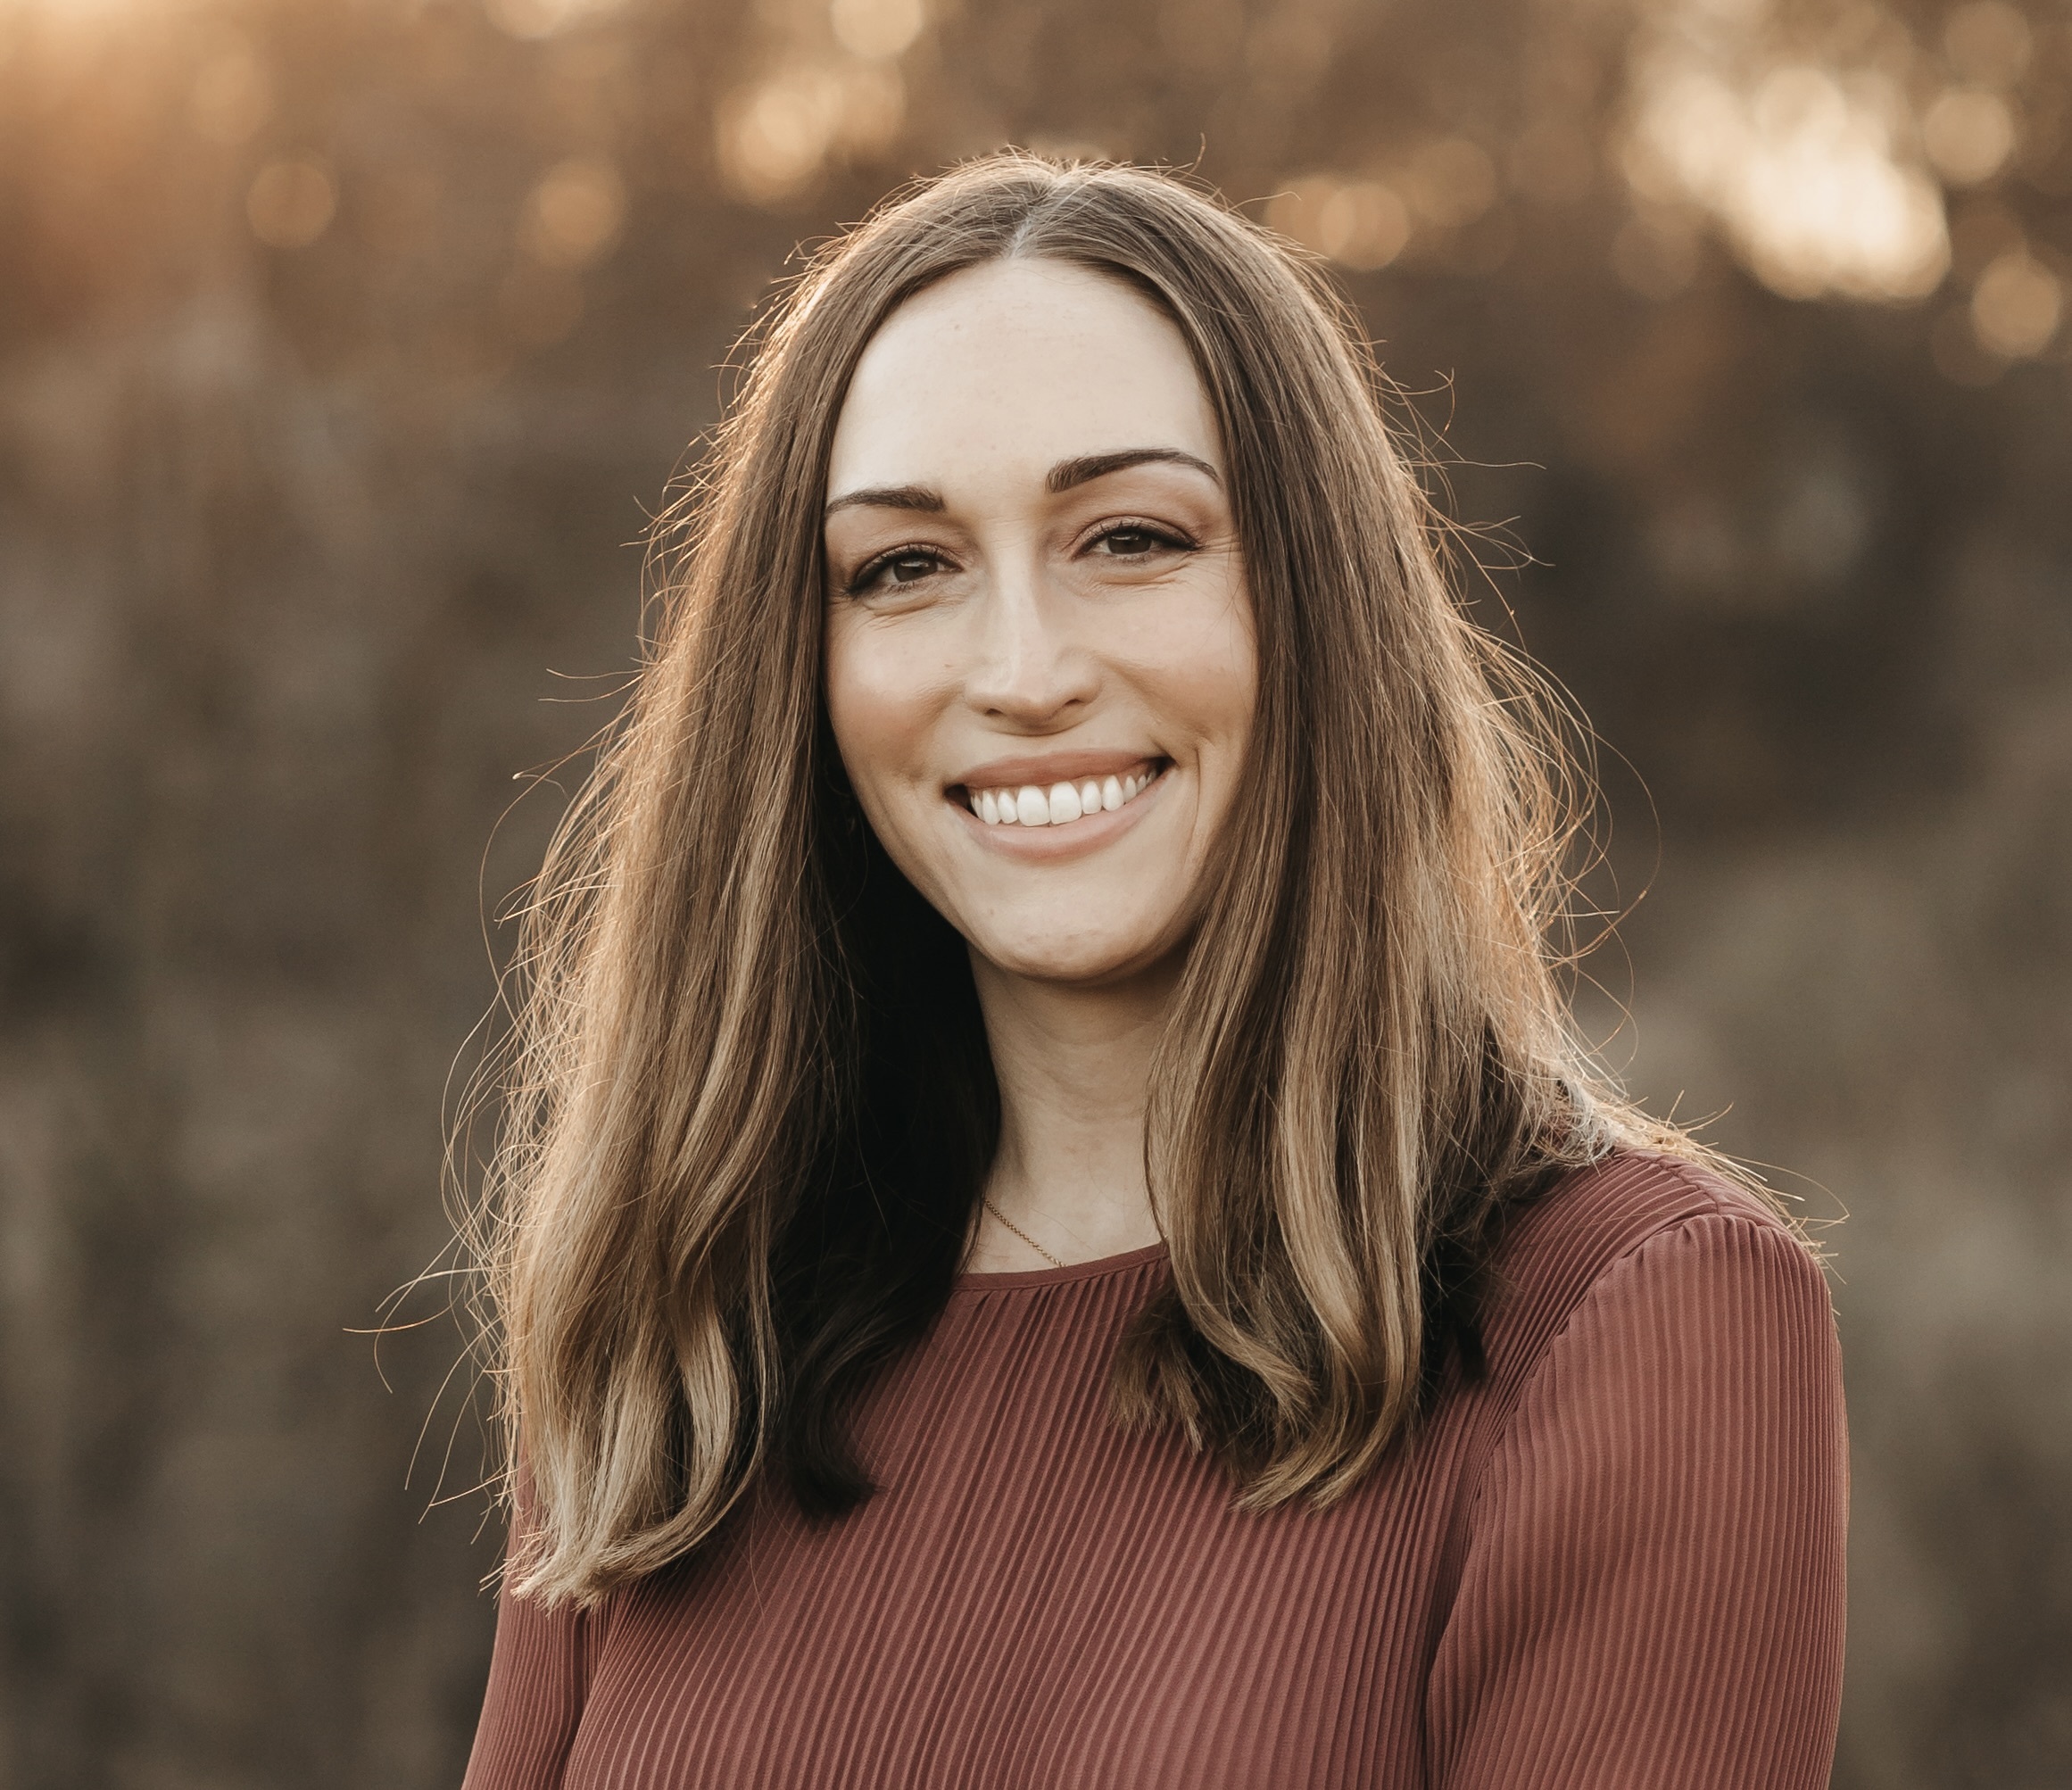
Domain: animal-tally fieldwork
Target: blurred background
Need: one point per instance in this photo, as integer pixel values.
(345, 347)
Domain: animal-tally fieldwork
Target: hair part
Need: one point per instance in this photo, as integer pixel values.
(748, 1104)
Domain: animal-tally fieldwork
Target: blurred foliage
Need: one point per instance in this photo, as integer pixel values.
(344, 345)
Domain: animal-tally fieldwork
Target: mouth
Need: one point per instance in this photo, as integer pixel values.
(1059, 803)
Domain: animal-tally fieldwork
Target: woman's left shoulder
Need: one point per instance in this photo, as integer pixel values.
(1655, 1504)
(1642, 1226)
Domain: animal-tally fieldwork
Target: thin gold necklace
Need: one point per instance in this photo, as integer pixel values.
(1022, 1234)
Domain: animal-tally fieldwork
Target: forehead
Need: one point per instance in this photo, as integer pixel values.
(1005, 370)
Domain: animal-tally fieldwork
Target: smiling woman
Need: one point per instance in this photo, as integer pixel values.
(1039, 653)
(1051, 1227)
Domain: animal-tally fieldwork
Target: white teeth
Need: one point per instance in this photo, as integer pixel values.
(1061, 803)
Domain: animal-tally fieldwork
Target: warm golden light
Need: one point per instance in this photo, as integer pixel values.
(291, 203)
(232, 96)
(772, 142)
(76, 11)
(1988, 41)
(1360, 224)
(573, 215)
(1365, 225)
(876, 29)
(534, 18)
(774, 139)
(1968, 134)
(2017, 307)
(1801, 168)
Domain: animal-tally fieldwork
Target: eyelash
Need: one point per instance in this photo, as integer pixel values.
(1160, 532)
(867, 573)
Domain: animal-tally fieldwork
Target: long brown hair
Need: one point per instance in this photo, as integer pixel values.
(748, 1106)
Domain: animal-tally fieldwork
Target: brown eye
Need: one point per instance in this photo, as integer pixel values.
(901, 567)
(909, 568)
(1138, 541)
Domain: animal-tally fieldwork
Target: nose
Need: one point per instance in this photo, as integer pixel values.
(1028, 668)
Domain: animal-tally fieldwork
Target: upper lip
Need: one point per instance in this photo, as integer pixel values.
(1052, 768)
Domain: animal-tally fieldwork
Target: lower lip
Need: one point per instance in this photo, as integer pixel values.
(1072, 839)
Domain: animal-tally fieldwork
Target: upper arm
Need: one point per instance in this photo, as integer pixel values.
(539, 1674)
(1651, 1593)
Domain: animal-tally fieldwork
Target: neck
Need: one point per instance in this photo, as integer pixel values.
(1073, 1066)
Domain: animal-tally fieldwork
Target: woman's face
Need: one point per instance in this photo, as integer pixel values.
(1040, 664)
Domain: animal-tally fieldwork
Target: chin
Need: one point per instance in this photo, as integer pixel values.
(1070, 955)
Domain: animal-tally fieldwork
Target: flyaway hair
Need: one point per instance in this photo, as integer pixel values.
(748, 1104)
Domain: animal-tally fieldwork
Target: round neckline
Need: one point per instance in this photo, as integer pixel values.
(1014, 1278)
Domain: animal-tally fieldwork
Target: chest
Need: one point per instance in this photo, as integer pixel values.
(1032, 1598)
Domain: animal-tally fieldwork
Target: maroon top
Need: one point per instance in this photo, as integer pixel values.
(1615, 1564)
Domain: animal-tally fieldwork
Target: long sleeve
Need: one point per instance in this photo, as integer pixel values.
(538, 1674)
(1651, 1593)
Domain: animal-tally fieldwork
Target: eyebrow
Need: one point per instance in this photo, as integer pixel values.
(1068, 472)
(1061, 477)
(889, 497)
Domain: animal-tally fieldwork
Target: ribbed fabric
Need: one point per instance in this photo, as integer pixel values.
(1616, 1563)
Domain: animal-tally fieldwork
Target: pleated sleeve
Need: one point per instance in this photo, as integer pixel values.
(539, 1673)
(1652, 1592)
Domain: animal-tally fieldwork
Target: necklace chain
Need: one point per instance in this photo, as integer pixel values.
(1022, 1234)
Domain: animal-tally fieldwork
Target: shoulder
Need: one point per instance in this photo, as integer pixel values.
(1647, 1228)
(1646, 1559)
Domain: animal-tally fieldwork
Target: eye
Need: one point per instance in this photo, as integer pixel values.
(1136, 540)
(901, 567)
(908, 568)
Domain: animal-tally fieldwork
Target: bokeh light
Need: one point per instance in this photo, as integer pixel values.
(536, 19)
(1802, 171)
(574, 213)
(347, 343)
(1361, 224)
(1988, 41)
(233, 93)
(1969, 134)
(775, 138)
(2017, 307)
(291, 201)
(877, 29)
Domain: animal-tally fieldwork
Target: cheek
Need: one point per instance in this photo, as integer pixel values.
(879, 708)
(1206, 680)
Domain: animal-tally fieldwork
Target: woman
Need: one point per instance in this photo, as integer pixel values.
(1053, 1229)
